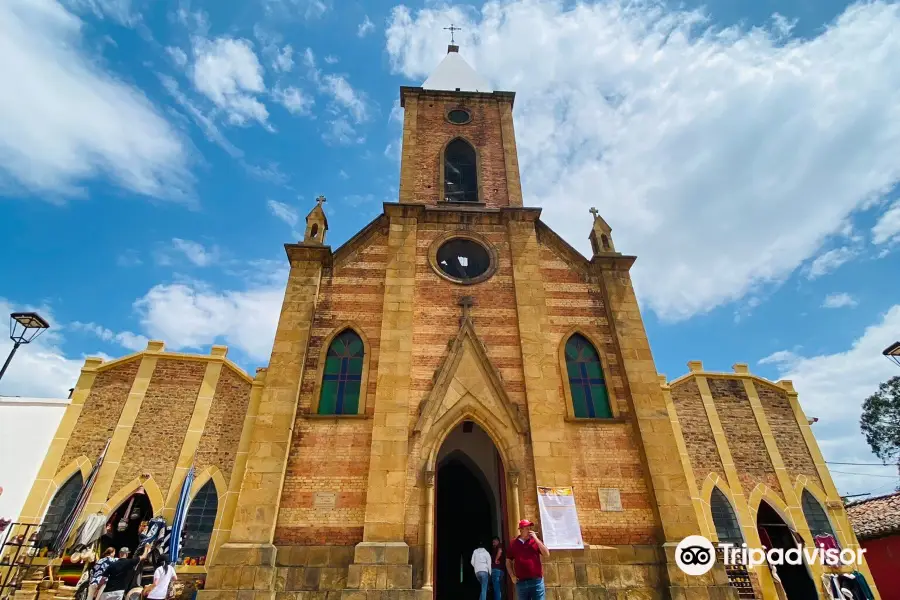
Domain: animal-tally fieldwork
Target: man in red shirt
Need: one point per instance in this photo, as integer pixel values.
(523, 561)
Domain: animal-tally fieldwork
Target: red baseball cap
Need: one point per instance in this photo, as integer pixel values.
(525, 523)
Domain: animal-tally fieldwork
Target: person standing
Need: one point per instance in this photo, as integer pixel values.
(481, 562)
(523, 560)
(162, 577)
(498, 567)
(98, 573)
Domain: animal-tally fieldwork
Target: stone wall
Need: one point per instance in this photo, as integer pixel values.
(159, 428)
(788, 437)
(101, 411)
(222, 432)
(695, 427)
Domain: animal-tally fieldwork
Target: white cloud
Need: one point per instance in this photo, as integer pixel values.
(196, 252)
(126, 339)
(345, 96)
(347, 104)
(721, 157)
(331, 59)
(177, 55)
(286, 213)
(366, 27)
(839, 300)
(832, 387)
(341, 131)
(887, 229)
(829, 261)
(294, 100)
(194, 315)
(228, 72)
(118, 10)
(65, 121)
(307, 9)
(39, 369)
(129, 258)
(284, 60)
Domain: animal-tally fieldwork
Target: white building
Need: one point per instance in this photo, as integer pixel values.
(27, 426)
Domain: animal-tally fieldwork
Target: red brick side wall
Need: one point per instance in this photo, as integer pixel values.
(161, 423)
(751, 459)
(101, 412)
(788, 437)
(222, 432)
(605, 454)
(332, 455)
(697, 433)
(433, 132)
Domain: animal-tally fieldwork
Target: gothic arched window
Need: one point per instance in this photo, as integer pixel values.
(460, 172)
(60, 508)
(727, 527)
(590, 398)
(200, 521)
(815, 515)
(342, 376)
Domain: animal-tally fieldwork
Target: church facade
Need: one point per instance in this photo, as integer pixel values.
(426, 378)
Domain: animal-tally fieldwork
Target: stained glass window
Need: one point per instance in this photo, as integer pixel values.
(590, 398)
(343, 375)
(60, 508)
(727, 527)
(815, 515)
(200, 521)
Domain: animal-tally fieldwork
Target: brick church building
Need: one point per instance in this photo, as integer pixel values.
(426, 378)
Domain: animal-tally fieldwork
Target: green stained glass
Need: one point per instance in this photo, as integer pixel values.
(590, 397)
(342, 375)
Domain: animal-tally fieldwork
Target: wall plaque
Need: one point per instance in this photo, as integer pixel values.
(610, 500)
(324, 500)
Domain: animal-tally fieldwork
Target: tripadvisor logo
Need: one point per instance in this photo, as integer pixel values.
(696, 555)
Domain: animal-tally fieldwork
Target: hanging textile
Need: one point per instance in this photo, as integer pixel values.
(184, 501)
(863, 585)
(59, 542)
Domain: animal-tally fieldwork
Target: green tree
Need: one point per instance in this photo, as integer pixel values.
(880, 421)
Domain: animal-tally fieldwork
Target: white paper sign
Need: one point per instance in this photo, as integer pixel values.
(610, 500)
(559, 518)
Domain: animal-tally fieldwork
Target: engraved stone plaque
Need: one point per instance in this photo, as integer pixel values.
(610, 500)
(324, 500)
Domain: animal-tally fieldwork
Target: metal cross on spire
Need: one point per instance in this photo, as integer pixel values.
(452, 29)
(594, 212)
(466, 302)
(320, 200)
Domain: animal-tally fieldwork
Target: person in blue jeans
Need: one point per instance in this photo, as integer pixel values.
(523, 561)
(498, 568)
(481, 562)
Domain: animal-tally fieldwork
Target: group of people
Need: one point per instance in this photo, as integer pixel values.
(112, 577)
(522, 560)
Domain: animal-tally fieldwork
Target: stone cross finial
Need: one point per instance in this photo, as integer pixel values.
(594, 212)
(320, 200)
(452, 29)
(466, 302)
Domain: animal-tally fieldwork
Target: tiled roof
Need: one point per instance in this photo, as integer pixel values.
(875, 517)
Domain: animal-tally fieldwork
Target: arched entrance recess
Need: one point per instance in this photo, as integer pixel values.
(470, 507)
(775, 533)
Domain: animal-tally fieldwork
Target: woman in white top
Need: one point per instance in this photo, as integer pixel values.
(162, 577)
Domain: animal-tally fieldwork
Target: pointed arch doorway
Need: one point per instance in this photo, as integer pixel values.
(775, 533)
(470, 508)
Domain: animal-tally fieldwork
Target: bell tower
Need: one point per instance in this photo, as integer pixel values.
(459, 145)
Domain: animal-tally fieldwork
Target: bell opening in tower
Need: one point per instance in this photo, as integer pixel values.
(460, 172)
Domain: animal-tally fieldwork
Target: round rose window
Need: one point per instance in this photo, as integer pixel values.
(459, 116)
(463, 260)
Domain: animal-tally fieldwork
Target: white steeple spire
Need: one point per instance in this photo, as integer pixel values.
(455, 75)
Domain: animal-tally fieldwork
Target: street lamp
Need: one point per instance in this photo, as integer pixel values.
(893, 352)
(24, 327)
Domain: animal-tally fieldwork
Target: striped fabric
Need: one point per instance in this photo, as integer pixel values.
(184, 501)
(62, 536)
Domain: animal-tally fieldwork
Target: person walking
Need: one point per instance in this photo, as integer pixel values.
(498, 567)
(98, 573)
(523, 560)
(481, 562)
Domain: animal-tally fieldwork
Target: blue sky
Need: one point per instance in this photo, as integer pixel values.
(155, 156)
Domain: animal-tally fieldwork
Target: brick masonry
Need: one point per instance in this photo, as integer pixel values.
(744, 439)
(794, 452)
(159, 428)
(101, 412)
(222, 431)
(698, 435)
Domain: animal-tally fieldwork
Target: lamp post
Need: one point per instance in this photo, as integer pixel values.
(893, 352)
(24, 327)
